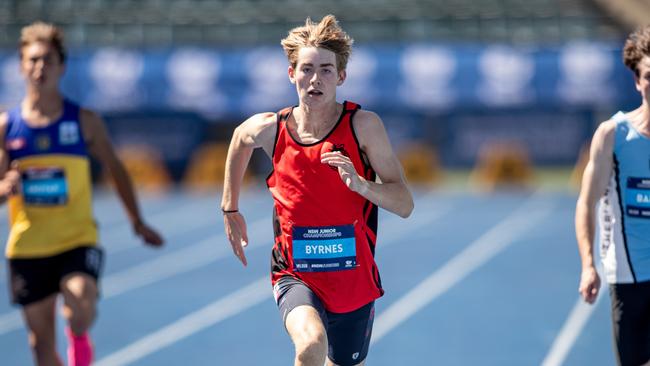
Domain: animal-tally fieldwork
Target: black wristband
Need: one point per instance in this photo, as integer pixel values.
(229, 211)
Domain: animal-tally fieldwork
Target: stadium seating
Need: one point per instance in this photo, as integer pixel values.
(502, 165)
(161, 22)
(631, 12)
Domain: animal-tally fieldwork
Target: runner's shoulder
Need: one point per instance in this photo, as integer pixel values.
(605, 132)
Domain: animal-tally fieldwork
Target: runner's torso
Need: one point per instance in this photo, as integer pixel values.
(325, 233)
(624, 211)
(52, 212)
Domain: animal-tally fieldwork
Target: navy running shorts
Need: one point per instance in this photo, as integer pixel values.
(348, 334)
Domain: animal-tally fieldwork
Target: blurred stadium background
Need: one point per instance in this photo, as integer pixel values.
(474, 93)
(450, 78)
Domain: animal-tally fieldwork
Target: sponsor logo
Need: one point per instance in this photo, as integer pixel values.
(16, 144)
(276, 292)
(340, 148)
(68, 133)
(355, 355)
(93, 260)
(18, 285)
(43, 142)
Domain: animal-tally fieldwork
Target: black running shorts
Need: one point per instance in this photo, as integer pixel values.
(33, 279)
(631, 322)
(348, 334)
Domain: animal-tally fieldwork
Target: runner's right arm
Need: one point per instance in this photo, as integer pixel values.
(257, 131)
(10, 177)
(594, 184)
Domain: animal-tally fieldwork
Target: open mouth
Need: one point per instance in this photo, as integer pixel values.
(314, 92)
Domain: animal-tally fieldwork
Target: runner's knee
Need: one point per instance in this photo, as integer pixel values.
(40, 320)
(80, 298)
(309, 334)
(41, 342)
(309, 338)
(311, 346)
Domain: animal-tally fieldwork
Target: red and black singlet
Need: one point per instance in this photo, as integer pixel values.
(325, 234)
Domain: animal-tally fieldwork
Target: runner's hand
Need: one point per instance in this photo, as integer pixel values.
(347, 171)
(589, 284)
(9, 183)
(235, 227)
(148, 234)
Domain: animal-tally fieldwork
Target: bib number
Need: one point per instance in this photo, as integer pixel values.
(324, 248)
(44, 186)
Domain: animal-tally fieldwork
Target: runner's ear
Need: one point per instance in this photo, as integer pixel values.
(292, 73)
(342, 76)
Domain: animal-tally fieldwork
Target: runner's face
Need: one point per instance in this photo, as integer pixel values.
(316, 76)
(41, 66)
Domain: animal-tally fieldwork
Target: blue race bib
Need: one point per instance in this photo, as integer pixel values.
(44, 186)
(324, 248)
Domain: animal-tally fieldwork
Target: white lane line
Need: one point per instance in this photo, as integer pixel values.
(10, 321)
(222, 309)
(179, 224)
(204, 252)
(124, 239)
(571, 330)
(390, 232)
(121, 240)
(166, 266)
(472, 257)
(195, 256)
(4, 231)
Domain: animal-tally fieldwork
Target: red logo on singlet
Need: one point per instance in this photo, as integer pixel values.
(330, 147)
(16, 144)
(340, 148)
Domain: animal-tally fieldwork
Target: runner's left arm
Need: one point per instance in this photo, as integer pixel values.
(391, 193)
(100, 147)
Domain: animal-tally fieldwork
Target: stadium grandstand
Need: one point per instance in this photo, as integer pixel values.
(224, 22)
(439, 72)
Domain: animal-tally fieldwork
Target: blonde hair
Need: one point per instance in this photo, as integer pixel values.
(43, 32)
(636, 47)
(326, 34)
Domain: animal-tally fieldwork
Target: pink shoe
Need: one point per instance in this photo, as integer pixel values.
(80, 349)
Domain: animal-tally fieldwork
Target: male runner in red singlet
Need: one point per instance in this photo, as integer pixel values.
(326, 158)
(45, 148)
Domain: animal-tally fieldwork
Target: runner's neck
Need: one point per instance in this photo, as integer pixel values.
(315, 124)
(40, 109)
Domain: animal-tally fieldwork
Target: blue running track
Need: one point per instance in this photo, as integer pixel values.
(469, 279)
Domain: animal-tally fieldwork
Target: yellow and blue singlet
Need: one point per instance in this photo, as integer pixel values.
(52, 212)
